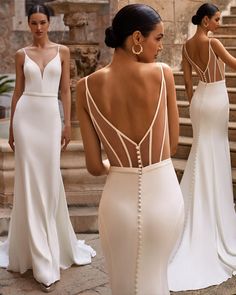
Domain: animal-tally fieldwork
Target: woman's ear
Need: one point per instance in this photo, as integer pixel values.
(205, 21)
(137, 37)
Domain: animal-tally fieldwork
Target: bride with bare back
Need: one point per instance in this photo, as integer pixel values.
(130, 107)
(206, 254)
(41, 236)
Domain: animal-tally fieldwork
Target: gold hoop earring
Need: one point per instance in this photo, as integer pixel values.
(138, 51)
(205, 25)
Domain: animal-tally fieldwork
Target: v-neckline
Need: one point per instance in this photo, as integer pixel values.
(41, 71)
(208, 62)
(115, 128)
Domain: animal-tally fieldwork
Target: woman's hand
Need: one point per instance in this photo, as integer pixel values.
(11, 140)
(66, 137)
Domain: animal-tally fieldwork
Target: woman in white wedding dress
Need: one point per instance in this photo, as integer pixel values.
(41, 236)
(141, 209)
(206, 254)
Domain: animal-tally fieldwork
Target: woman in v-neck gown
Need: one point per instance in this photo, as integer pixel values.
(206, 253)
(41, 236)
(141, 209)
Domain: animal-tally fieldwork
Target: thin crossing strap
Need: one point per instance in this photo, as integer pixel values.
(165, 124)
(158, 106)
(218, 63)
(97, 126)
(104, 118)
(150, 147)
(215, 62)
(126, 150)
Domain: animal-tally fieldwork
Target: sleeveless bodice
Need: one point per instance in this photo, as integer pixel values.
(43, 83)
(123, 151)
(214, 70)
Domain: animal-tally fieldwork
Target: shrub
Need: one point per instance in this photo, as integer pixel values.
(6, 84)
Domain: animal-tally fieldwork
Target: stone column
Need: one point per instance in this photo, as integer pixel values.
(84, 59)
(84, 54)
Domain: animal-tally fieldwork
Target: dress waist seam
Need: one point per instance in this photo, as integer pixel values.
(144, 169)
(29, 93)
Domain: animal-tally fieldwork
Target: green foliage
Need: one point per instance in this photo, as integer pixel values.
(6, 84)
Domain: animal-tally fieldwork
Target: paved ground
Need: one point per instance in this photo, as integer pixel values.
(86, 280)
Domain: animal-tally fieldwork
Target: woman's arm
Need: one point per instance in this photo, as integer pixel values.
(65, 95)
(18, 90)
(92, 145)
(188, 80)
(222, 53)
(173, 115)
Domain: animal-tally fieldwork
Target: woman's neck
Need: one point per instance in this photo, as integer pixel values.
(41, 43)
(201, 32)
(122, 56)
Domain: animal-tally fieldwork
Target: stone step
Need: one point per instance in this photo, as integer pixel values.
(233, 10)
(227, 40)
(226, 29)
(83, 219)
(229, 69)
(186, 129)
(183, 107)
(231, 50)
(180, 164)
(230, 78)
(229, 19)
(185, 144)
(181, 93)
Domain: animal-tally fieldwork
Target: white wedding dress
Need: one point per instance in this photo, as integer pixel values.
(41, 236)
(141, 211)
(206, 254)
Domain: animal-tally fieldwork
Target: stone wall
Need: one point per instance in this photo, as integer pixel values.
(176, 15)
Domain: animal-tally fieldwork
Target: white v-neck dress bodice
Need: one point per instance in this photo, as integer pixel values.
(47, 80)
(41, 236)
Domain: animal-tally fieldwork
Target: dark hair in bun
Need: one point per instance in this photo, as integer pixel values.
(110, 38)
(39, 9)
(131, 18)
(206, 9)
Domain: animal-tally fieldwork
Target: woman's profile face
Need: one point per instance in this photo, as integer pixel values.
(38, 24)
(152, 44)
(214, 21)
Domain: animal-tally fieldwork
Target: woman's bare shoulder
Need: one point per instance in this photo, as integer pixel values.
(63, 48)
(215, 43)
(20, 55)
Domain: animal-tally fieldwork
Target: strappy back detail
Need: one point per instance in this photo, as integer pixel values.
(121, 149)
(214, 70)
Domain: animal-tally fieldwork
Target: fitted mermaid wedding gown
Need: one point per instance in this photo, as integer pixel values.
(141, 210)
(206, 254)
(41, 236)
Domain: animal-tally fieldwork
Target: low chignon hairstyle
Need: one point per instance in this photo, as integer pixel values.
(39, 9)
(206, 9)
(131, 18)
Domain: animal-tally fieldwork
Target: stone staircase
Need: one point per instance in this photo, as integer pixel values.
(227, 35)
